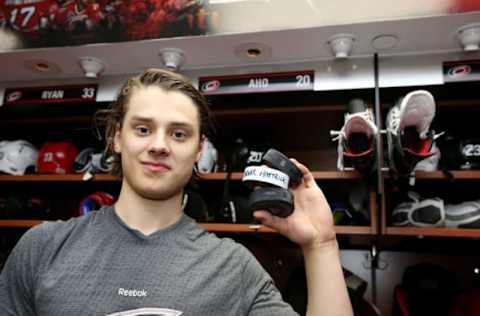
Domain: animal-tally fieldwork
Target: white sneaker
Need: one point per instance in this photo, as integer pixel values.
(356, 139)
(419, 212)
(409, 138)
(463, 215)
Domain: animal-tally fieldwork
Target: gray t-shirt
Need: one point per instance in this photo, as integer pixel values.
(96, 265)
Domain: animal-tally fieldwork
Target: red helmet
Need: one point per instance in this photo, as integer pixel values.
(95, 201)
(57, 157)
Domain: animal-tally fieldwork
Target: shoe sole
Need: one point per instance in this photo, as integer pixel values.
(415, 105)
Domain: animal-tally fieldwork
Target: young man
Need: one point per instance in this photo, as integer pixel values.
(143, 256)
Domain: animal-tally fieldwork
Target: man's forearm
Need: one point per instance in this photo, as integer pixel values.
(327, 291)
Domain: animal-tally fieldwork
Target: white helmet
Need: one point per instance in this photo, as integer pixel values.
(16, 156)
(208, 160)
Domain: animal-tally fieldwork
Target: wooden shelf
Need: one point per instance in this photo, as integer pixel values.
(248, 228)
(56, 178)
(457, 174)
(237, 228)
(19, 223)
(433, 232)
(321, 175)
(439, 175)
(212, 227)
(336, 175)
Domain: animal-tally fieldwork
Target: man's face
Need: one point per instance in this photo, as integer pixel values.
(159, 142)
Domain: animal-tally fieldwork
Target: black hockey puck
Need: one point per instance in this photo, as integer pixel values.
(277, 201)
(275, 159)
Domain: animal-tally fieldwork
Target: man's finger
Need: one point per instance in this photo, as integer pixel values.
(306, 174)
(269, 220)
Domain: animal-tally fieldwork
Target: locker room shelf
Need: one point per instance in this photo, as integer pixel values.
(19, 223)
(55, 178)
(432, 232)
(321, 175)
(439, 175)
(212, 227)
(247, 228)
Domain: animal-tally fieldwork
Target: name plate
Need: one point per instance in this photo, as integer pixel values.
(61, 94)
(259, 82)
(466, 70)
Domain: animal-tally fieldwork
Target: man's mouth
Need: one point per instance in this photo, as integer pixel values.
(156, 166)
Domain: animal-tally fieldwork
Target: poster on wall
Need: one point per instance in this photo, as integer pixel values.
(47, 23)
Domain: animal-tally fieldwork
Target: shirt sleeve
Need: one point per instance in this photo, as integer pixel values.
(262, 295)
(17, 279)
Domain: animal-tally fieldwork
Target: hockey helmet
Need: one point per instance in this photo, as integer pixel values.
(83, 160)
(246, 153)
(95, 201)
(17, 156)
(91, 160)
(57, 157)
(208, 160)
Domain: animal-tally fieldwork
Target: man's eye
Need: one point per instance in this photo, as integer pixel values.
(142, 130)
(179, 135)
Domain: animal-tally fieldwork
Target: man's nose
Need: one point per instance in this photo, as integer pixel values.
(159, 144)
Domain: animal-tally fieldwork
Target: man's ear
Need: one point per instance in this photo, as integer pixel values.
(116, 140)
(200, 148)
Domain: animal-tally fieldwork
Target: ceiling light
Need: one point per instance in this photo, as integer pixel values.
(253, 51)
(341, 45)
(92, 67)
(42, 66)
(172, 58)
(469, 36)
(384, 41)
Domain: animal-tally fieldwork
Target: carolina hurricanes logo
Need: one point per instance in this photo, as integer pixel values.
(14, 96)
(210, 86)
(459, 71)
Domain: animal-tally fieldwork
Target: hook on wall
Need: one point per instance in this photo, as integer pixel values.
(373, 260)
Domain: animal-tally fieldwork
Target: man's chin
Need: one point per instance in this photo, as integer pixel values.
(157, 190)
(158, 195)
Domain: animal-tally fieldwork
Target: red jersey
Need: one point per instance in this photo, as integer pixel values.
(111, 10)
(151, 18)
(136, 19)
(28, 15)
(465, 6)
(174, 6)
(77, 17)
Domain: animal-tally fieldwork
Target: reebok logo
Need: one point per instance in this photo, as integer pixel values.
(132, 293)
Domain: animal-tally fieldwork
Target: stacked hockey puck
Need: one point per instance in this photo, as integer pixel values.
(270, 183)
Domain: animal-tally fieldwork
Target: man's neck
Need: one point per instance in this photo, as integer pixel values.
(145, 215)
